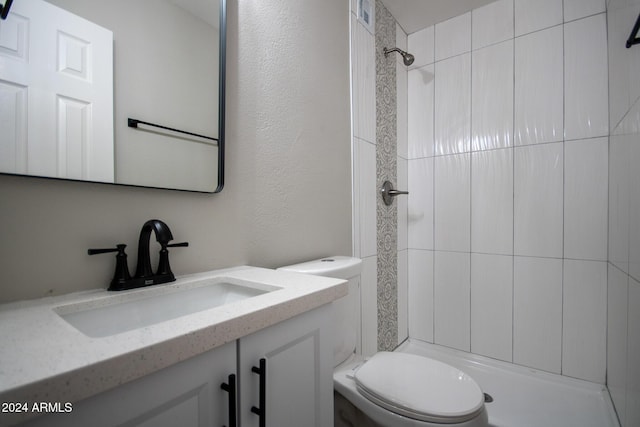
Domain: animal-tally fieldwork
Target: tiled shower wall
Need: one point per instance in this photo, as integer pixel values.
(508, 173)
(623, 328)
(379, 106)
(386, 169)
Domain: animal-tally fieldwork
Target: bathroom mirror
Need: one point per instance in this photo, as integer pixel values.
(125, 92)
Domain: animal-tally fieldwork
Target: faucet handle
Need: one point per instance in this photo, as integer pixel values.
(164, 269)
(121, 276)
(105, 251)
(178, 245)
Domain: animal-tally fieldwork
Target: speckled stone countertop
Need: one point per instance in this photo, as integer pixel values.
(45, 359)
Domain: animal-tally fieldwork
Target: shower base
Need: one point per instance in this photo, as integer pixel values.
(525, 397)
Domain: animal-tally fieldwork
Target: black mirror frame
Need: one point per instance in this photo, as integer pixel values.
(221, 116)
(222, 93)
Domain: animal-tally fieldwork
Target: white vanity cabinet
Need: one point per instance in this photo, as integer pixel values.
(298, 357)
(297, 389)
(187, 394)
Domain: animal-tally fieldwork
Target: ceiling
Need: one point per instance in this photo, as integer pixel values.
(414, 15)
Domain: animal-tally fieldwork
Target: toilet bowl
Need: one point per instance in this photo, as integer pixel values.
(391, 389)
(419, 403)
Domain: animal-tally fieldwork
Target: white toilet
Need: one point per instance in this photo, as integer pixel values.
(390, 389)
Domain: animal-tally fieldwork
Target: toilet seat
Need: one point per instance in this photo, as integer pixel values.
(419, 388)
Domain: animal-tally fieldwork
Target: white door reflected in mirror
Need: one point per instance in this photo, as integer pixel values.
(65, 104)
(56, 86)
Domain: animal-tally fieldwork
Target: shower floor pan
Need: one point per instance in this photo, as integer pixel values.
(524, 397)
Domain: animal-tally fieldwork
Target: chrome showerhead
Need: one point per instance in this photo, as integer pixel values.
(407, 58)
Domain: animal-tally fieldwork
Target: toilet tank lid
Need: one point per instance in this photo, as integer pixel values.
(339, 267)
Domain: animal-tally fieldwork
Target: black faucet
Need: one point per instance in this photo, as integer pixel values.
(144, 276)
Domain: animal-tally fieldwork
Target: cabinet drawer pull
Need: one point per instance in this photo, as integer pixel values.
(230, 387)
(262, 371)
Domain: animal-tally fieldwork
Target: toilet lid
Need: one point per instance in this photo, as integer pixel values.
(419, 388)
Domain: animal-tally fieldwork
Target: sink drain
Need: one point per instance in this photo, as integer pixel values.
(488, 398)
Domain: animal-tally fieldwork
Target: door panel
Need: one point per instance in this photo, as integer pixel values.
(65, 65)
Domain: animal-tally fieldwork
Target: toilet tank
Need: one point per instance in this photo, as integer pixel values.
(346, 319)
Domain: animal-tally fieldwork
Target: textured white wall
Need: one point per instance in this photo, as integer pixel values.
(288, 189)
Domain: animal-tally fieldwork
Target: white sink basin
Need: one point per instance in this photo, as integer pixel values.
(145, 307)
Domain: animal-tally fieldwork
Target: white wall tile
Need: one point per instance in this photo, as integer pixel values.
(584, 320)
(452, 300)
(403, 184)
(453, 36)
(402, 118)
(453, 203)
(492, 305)
(619, 196)
(617, 296)
(630, 124)
(492, 97)
(634, 61)
(624, 86)
(453, 105)
(534, 15)
(492, 23)
(355, 95)
(369, 304)
(585, 198)
(537, 313)
(586, 78)
(421, 45)
(356, 217)
(619, 58)
(421, 294)
(365, 75)
(421, 84)
(575, 9)
(539, 114)
(492, 202)
(420, 203)
(403, 295)
(634, 204)
(633, 356)
(368, 197)
(624, 208)
(402, 41)
(538, 200)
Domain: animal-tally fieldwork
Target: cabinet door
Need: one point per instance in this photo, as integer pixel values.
(298, 357)
(187, 394)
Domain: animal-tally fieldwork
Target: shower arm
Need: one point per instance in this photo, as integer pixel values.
(407, 58)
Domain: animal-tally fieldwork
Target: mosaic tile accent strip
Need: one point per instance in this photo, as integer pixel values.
(386, 169)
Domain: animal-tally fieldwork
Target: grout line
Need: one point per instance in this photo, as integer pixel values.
(433, 195)
(513, 194)
(609, 128)
(470, 135)
(564, 170)
(516, 146)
